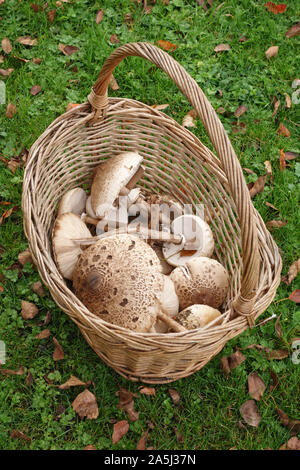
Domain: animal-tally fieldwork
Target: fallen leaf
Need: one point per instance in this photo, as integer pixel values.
(258, 186)
(293, 443)
(293, 31)
(25, 257)
(225, 365)
(36, 7)
(275, 8)
(174, 395)
(7, 213)
(128, 20)
(19, 435)
(147, 9)
(58, 353)
(51, 15)
(295, 296)
(90, 447)
(275, 224)
(11, 110)
(278, 329)
(240, 110)
(6, 45)
(120, 429)
(222, 47)
(271, 52)
(239, 128)
(43, 334)
(276, 106)
(21, 59)
(35, 90)
(282, 130)
(292, 424)
(85, 405)
(282, 162)
(6, 72)
(36, 60)
(20, 371)
(99, 16)
(249, 412)
(113, 83)
(288, 101)
(292, 272)
(67, 50)
(256, 386)
(38, 288)
(127, 404)
(189, 119)
(147, 391)
(114, 39)
(159, 107)
(167, 45)
(29, 379)
(275, 381)
(248, 171)
(27, 41)
(243, 39)
(235, 359)
(221, 110)
(73, 382)
(29, 310)
(142, 442)
(268, 168)
(47, 318)
(291, 155)
(276, 354)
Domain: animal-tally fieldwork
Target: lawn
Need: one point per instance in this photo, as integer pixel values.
(205, 413)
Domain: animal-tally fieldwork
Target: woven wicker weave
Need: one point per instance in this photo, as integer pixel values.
(176, 163)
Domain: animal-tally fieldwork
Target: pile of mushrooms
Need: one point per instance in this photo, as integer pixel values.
(135, 259)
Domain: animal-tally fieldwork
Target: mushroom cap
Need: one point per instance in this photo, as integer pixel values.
(201, 281)
(89, 209)
(119, 280)
(110, 177)
(197, 233)
(68, 226)
(73, 201)
(197, 316)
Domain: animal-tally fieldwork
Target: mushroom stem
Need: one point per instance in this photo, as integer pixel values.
(90, 220)
(139, 231)
(170, 322)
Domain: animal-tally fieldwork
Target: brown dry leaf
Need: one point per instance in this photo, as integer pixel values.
(167, 45)
(159, 107)
(225, 365)
(278, 329)
(36, 60)
(19, 435)
(142, 442)
(114, 39)
(292, 424)
(128, 20)
(293, 271)
(99, 16)
(73, 382)
(293, 443)
(25, 257)
(11, 110)
(239, 128)
(222, 47)
(43, 334)
(51, 15)
(27, 41)
(113, 83)
(127, 404)
(240, 110)
(29, 310)
(35, 7)
(256, 386)
(293, 31)
(295, 296)
(120, 429)
(47, 318)
(243, 39)
(90, 447)
(174, 395)
(58, 353)
(147, 391)
(258, 186)
(29, 379)
(221, 110)
(268, 167)
(248, 171)
(85, 405)
(275, 224)
(282, 130)
(38, 288)
(235, 359)
(1, 59)
(288, 101)
(189, 119)
(6, 72)
(67, 50)
(276, 354)
(275, 8)
(6, 45)
(275, 381)
(249, 412)
(282, 161)
(20, 371)
(276, 106)
(291, 155)
(271, 52)
(35, 90)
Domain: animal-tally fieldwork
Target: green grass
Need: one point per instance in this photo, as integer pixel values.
(207, 415)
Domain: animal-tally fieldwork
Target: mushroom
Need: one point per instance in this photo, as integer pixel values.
(110, 177)
(201, 281)
(197, 316)
(119, 280)
(197, 241)
(66, 227)
(165, 266)
(73, 201)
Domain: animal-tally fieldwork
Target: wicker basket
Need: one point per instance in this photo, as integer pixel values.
(177, 163)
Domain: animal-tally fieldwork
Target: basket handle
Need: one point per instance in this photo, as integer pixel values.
(244, 303)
